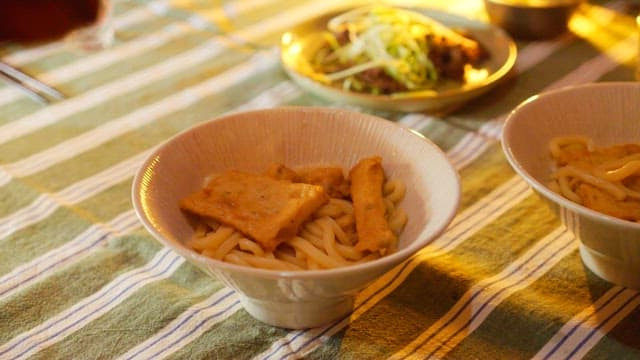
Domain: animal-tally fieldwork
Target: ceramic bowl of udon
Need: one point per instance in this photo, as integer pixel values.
(296, 136)
(608, 114)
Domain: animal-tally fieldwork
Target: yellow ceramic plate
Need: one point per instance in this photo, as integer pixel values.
(299, 44)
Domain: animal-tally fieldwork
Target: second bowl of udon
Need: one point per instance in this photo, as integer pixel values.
(311, 244)
(579, 148)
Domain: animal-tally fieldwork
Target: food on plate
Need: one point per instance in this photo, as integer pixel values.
(384, 50)
(605, 179)
(308, 218)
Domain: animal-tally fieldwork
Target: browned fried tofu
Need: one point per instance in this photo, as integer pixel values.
(269, 211)
(330, 178)
(373, 232)
(281, 172)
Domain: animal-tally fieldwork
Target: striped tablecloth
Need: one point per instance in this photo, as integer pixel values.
(81, 279)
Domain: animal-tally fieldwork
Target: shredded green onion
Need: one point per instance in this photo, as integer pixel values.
(379, 37)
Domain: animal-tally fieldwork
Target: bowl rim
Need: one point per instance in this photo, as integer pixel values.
(542, 188)
(382, 262)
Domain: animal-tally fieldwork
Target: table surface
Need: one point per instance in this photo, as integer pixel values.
(80, 277)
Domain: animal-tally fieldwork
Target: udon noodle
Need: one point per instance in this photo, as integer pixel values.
(327, 239)
(605, 179)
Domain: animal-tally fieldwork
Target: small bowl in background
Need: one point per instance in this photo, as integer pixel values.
(607, 113)
(531, 19)
(296, 137)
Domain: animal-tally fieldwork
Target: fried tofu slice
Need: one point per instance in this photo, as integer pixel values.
(269, 211)
(373, 231)
(331, 178)
(281, 172)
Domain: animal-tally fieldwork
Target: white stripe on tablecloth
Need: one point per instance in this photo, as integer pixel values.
(121, 21)
(187, 327)
(54, 329)
(482, 298)
(44, 265)
(99, 60)
(45, 204)
(135, 119)
(586, 328)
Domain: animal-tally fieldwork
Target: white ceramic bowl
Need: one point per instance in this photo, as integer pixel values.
(609, 113)
(296, 136)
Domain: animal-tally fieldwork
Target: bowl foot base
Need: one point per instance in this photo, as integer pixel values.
(298, 315)
(610, 269)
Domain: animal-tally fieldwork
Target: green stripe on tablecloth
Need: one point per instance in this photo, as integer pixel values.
(239, 337)
(34, 240)
(437, 283)
(120, 105)
(19, 108)
(35, 304)
(487, 172)
(63, 225)
(155, 305)
(542, 308)
(15, 195)
(107, 204)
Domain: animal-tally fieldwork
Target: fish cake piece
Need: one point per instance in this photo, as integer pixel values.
(372, 228)
(269, 211)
